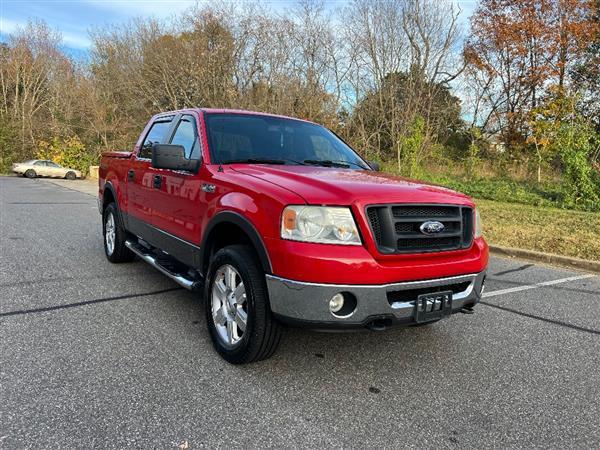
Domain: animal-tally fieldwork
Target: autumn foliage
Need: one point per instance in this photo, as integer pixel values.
(398, 79)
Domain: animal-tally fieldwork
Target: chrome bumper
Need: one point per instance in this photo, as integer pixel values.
(308, 303)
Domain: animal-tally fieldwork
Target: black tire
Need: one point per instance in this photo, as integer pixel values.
(120, 253)
(30, 173)
(70, 176)
(262, 333)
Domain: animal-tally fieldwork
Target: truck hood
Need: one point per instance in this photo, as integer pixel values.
(331, 186)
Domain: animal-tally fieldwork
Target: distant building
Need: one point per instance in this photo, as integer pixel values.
(497, 144)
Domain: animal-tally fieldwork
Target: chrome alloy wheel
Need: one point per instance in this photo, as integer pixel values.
(229, 305)
(110, 233)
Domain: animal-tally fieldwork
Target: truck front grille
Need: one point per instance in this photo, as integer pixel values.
(396, 228)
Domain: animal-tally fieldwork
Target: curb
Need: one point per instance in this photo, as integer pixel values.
(548, 258)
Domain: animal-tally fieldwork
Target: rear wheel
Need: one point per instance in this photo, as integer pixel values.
(70, 176)
(237, 309)
(115, 236)
(30, 173)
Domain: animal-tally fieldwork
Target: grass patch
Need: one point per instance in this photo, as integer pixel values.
(551, 230)
(511, 191)
(548, 194)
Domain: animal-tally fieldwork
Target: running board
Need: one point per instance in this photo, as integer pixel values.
(180, 279)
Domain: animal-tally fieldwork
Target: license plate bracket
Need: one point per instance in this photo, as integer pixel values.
(433, 306)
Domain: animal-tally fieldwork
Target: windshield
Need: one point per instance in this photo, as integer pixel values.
(252, 138)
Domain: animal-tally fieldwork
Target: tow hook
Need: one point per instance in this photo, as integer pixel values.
(467, 310)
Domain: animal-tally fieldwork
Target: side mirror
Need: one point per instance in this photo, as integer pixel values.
(168, 156)
(374, 166)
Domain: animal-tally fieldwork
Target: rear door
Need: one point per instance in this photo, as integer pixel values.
(178, 209)
(140, 189)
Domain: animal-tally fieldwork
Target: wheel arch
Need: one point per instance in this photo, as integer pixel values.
(228, 228)
(109, 195)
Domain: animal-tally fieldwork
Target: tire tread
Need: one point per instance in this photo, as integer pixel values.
(121, 253)
(266, 331)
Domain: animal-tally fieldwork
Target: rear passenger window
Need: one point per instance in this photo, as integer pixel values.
(185, 135)
(156, 135)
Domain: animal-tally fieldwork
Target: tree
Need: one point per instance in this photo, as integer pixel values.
(32, 65)
(544, 124)
(559, 130)
(436, 110)
(518, 47)
(573, 22)
(586, 75)
(402, 61)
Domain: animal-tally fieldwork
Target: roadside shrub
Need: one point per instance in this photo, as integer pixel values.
(574, 142)
(411, 146)
(69, 152)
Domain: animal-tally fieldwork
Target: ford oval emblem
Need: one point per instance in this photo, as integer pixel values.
(432, 227)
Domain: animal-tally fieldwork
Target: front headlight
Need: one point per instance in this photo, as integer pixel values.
(319, 224)
(478, 225)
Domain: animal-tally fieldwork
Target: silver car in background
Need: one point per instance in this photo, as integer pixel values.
(44, 168)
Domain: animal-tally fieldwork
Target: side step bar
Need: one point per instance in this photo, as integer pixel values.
(181, 279)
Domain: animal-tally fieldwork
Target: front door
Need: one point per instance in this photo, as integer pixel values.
(41, 168)
(54, 170)
(177, 205)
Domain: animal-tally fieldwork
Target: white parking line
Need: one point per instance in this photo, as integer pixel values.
(536, 285)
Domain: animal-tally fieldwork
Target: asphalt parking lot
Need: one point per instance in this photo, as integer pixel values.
(101, 355)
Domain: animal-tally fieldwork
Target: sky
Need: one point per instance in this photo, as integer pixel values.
(74, 18)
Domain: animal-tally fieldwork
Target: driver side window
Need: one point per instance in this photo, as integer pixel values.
(186, 136)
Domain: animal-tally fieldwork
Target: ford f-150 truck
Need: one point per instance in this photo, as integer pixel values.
(279, 222)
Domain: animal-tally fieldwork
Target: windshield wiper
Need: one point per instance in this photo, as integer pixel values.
(253, 161)
(330, 163)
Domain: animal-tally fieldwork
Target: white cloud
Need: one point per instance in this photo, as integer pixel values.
(133, 8)
(74, 40)
(8, 26)
(69, 39)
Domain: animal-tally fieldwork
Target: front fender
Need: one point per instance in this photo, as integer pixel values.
(245, 225)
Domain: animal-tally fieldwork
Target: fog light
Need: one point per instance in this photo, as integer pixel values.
(336, 303)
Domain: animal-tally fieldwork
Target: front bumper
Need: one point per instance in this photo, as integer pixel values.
(307, 304)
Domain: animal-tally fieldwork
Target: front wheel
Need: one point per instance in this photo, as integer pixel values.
(30, 173)
(70, 176)
(237, 309)
(114, 236)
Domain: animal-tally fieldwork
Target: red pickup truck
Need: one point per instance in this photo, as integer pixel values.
(278, 221)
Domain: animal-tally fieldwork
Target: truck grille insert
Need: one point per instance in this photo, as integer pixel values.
(397, 228)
